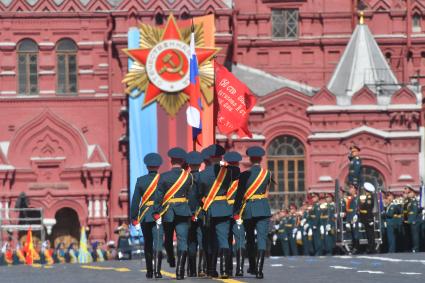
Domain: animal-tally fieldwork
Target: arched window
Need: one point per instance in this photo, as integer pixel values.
(285, 159)
(416, 23)
(27, 67)
(371, 175)
(66, 55)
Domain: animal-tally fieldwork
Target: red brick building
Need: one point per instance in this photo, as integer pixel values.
(63, 115)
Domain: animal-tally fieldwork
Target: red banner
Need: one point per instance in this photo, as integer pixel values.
(235, 102)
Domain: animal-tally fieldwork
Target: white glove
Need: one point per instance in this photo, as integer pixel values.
(360, 225)
(239, 221)
(306, 227)
(159, 221)
(299, 235)
(385, 224)
(322, 230)
(303, 221)
(355, 218)
(347, 225)
(294, 231)
(342, 214)
(328, 227)
(371, 223)
(120, 255)
(276, 227)
(274, 239)
(310, 232)
(137, 227)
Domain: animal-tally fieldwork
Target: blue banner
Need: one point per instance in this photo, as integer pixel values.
(143, 125)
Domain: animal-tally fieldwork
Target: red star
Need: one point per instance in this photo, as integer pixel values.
(141, 54)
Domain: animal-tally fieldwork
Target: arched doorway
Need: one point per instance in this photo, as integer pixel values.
(286, 161)
(67, 227)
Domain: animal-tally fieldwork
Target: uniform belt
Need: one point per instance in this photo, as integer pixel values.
(177, 200)
(349, 210)
(313, 216)
(410, 213)
(288, 225)
(220, 198)
(323, 217)
(397, 216)
(149, 203)
(231, 201)
(363, 211)
(254, 197)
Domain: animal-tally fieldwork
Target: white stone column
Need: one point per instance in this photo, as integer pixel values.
(90, 208)
(421, 154)
(7, 216)
(97, 208)
(1, 210)
(104, 208)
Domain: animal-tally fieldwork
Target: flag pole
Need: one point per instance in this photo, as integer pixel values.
(214, 104)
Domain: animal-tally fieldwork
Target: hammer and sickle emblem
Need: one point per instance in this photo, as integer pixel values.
(174, 68)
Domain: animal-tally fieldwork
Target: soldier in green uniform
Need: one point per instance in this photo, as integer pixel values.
(307, 233)
(291, 228)
(237, 232)
(355, 168)
(252, 207)
(413, 217)
(215, 181)
(194, 160)
(351, 218)
(315, 225)
(142, 210)
(366, 217)
(330, 227)
(392, 218)
(175, 213)
(281, 234)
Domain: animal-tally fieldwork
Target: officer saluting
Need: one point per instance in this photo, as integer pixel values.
(366, 217)
(236, 230)
(142, 210)
(215, 181)
(173, 189)
(252, 207)
(355, 167)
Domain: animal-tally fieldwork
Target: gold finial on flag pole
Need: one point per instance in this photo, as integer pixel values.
(361, 17)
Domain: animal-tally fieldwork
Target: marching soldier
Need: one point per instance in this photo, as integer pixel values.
(366, 217)
(307, 233)
(413, 217)
(355, 168)
(215, 181)
(352, 224)
(253, 208)
(237, 231)
(194, 160)
(142, 210)
(175, 213)
(392, 217)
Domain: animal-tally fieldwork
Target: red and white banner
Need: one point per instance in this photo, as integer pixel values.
(235, 102)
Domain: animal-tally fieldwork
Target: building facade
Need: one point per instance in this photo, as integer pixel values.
(63, 115)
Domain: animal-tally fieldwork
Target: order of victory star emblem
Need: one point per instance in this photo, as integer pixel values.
(161, 66)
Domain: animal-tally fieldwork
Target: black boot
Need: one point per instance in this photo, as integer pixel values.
(239, 263)
(149, 269)
(181, 262)
(223, 268)
(212, 272)
(201, 264)
(251, 261)
(260, 264)
(192, 266)
(229, 262)
(157, 264)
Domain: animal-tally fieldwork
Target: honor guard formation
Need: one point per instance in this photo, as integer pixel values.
(216, 213)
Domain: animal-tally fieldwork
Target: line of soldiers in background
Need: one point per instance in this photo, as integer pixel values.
(44, 254)
(312, 228)
(207, 210)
